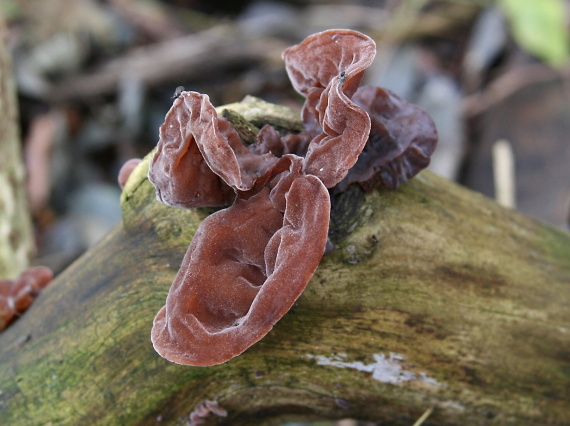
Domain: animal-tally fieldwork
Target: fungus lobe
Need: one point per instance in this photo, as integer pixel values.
(402, 139)
(245, 267)
(126, 170)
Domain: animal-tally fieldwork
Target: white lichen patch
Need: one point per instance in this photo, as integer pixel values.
(385, 368)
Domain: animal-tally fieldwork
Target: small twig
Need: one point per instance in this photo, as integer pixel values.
(423, 417)
(182, 58)
(504, 173)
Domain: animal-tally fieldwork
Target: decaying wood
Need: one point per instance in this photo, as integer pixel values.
(16, 243)
(435, 297)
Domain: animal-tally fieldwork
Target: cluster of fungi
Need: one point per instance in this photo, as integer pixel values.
(250, 261)
(17, 295)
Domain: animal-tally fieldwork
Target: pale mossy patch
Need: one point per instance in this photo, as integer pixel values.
(259, 113)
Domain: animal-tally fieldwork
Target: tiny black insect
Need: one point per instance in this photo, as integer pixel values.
(178, 92)
(342, 76)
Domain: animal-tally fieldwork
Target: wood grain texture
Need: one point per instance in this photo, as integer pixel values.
(434, 297)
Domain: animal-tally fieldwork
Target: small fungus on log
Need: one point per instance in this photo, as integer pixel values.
(17, 295)
(249, 262)
(126, 170)
(203, 410)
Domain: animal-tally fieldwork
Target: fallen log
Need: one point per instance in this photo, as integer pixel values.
(434, 297)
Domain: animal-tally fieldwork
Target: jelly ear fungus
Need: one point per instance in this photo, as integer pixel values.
(249, 262)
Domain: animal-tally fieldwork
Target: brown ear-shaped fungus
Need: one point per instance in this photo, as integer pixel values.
(178, 170)
(221, 145)
(248, 264)
(402, 138)
(244, 269)
(327, 68)
(346, 127)
(17, 295)
(317, 60)
(200, 158)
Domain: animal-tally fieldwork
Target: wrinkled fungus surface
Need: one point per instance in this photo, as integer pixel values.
(402, 139)
(249, 262)
(17, 295)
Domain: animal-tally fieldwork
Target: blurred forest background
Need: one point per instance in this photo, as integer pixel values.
(96, 77)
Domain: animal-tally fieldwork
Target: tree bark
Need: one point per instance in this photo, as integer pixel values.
(435, 297)
(16, 242)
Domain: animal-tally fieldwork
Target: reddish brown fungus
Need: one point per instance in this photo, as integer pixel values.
(402, 139)
(126, 170)
(248, 263)
(178, 170)
(322, 57)
(246, 266)
(327, 68)
(17, 295)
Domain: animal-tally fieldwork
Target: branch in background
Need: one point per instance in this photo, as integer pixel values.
(188, 57)
(508, 84)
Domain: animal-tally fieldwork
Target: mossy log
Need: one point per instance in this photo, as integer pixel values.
(435, 297)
